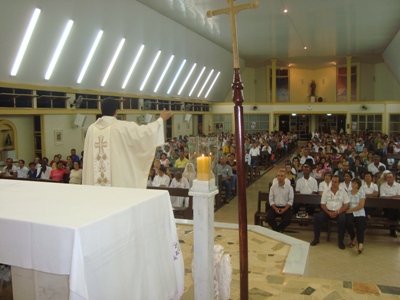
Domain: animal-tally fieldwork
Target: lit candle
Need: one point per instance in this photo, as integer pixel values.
(203, 168)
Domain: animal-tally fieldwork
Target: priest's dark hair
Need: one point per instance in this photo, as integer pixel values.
(109, 106)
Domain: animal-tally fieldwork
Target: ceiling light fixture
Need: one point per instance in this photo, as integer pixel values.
(197, 81)
(205, 82)
(150, 70)
(329, 115)
(164, 72)
(114, 59)
(293, 114)
(187, 78)
(176, 76)
(89, 57)
(305, 47)
(212, 84)
(59, 48)
(25, 42)
(128, 76)
(285, 11)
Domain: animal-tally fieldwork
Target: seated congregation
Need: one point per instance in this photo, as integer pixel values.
(346, 185)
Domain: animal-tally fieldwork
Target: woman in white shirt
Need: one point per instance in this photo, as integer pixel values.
(346, 184)
(327, 183)
(75, 176)
(356, 214)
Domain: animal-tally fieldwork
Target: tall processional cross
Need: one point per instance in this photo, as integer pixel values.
(232, 10)
(237, 87)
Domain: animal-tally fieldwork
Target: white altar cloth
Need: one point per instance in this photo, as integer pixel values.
(114, 243)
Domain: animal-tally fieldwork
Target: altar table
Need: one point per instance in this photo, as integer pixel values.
(114, 243)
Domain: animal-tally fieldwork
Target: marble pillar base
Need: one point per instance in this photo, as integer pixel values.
(34, 285)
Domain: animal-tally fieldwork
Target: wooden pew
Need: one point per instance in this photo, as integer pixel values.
(179, 212)
(376, 222)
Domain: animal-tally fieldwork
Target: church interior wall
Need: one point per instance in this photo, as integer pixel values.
(391, 56)
(180, 126)
(299, 84)
(325, 78)
(367, 82)
(24, 127)
(72, 137)
(386, 86)
(260, 85)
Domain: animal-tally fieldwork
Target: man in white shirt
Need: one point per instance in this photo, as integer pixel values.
(305, 157)
(391, 189)
(334, 203)
(9, 170)
(281, 201)
(374, 167)
(254, 153)
(287, 181)
(22, 170)
(44, 171)
(306, 185)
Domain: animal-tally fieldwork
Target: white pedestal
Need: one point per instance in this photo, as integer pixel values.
(312, 98)
(203, 219)
(34, 285)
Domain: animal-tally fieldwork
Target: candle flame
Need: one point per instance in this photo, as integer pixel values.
(202, 155)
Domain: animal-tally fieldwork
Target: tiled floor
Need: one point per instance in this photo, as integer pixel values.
(330, 273)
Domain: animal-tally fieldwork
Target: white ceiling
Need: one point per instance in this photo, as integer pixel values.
(330, 29)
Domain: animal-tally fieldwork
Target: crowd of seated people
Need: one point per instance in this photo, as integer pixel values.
(174, 156)
(69, 170)
(356, 162)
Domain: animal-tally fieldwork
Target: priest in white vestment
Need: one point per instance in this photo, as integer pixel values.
(120, 153)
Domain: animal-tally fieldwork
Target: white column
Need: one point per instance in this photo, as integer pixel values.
(203, 218)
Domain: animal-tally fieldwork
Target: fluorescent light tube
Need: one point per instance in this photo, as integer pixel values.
(212, 84)
(59, 48)
(25, 42)
(187, 78)
(163, 74)
(176, 76)
(114, 59)
(197, 81)
(205, 82)
(150, 70)
(133, 66)
(89, 57)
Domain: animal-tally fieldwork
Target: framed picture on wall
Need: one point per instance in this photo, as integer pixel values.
(58, 137)
(84, 131)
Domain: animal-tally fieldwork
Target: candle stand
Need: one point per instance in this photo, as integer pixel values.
(203, 154)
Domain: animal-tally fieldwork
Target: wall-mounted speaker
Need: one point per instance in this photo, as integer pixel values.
(148, 118)
(188, 117)
(79, 120)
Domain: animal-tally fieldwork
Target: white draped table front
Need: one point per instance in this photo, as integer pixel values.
(114, 243)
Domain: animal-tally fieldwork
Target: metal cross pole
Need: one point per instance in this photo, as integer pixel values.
(237, 87)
